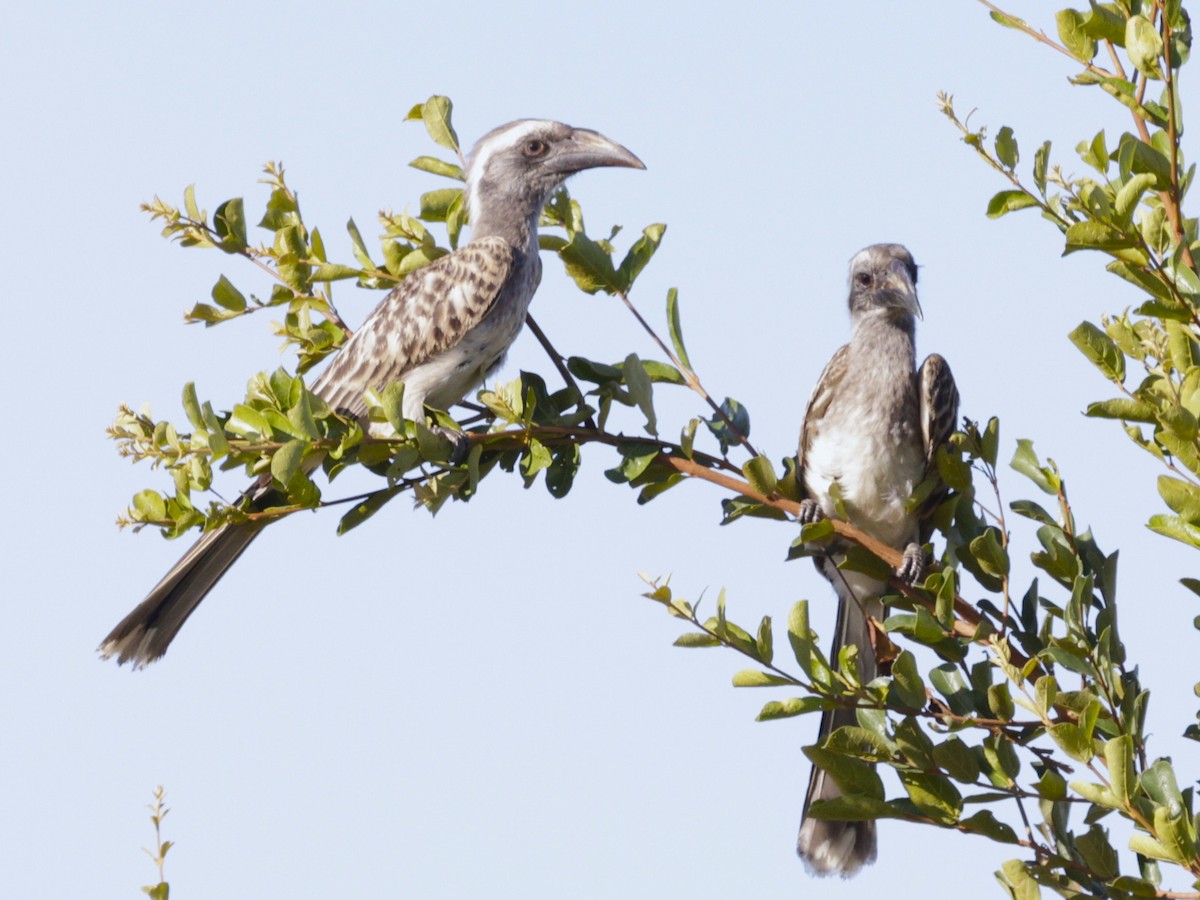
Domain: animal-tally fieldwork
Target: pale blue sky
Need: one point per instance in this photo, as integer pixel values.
(481, 705)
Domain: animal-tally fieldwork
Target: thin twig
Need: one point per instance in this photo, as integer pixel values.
(557, 359)
(692, 378)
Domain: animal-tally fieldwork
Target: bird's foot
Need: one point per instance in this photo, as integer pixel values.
(460, 443)
(810, 511)
(912, 566)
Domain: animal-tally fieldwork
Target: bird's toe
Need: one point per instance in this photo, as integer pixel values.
(810, 511)
(912, 566)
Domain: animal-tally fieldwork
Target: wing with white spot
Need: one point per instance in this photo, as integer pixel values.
(818, 404)
(426, 314)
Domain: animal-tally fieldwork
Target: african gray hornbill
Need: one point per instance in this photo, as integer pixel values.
(872, 428)
(441, 332)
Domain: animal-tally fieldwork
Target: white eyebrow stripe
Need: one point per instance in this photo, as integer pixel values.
(491, 144)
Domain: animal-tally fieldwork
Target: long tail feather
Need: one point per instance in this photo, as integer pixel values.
(144, 635)
(830, 846)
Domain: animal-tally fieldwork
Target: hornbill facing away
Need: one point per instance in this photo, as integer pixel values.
(872, 429)
(441, 332)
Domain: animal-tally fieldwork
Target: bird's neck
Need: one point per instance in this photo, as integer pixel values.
(891, 328)
(503, 220)
(885, 340)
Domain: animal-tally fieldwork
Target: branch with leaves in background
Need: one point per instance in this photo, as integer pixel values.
(1011, 715)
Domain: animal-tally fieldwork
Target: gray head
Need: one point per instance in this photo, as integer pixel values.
(515, 168)
(883, 279)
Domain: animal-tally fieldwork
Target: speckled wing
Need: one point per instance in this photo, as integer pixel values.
(939, 406)
(426, 314)
(818, 404)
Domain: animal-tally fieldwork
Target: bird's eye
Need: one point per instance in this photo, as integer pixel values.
(863, 279)
(535, 148)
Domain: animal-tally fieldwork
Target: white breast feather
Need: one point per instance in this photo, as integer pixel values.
(876, 469)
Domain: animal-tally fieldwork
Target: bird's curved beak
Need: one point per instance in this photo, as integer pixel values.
(587, 149)
(899, 290)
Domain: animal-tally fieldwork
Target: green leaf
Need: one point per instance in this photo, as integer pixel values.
(663, 373)
(738, 416)
(1009, 201)
(640, 254)
(1092, 235)
(1122, 408)
(1137, 887)
(934, 795)
(1074, 740)
(590, 266)
(1026, 462)
(986, 824)
(435, 205)
(794, 706)
(907, 682)
(227, 296)
(860, 743)
(697, 639)
(366, 508)
(956, 759)
(1074, 36)
(1106, 23)
(1096, 793)
(1136, 156)
(229, 222)
(149, 506)
(248, 422)
(435, 113)
(989, 553)
(1007, 21)
(949, 681)
(675, 329)
(1130, 193)
(286, 461)
(856, 808)
(755, 678)
(855, 777)
(437, 167)
(761, 475)
(1182, 496)
(912, 742)
(1101, 350)
(191, 406)
(360, 248)
(333, 272)
(1118, 758)
(1144, 46)
(1041, 160)
(1176, 527)
(1006, 148)
(1145, 845)
(640, 389)
(801, 637)
(1019, 882)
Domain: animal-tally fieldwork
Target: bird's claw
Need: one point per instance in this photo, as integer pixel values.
(912, 566)
(810, 511)
(460, 443)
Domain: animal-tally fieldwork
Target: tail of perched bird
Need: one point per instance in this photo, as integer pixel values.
(441, 331)
(835, 846)
(144, 635)
(870, 437)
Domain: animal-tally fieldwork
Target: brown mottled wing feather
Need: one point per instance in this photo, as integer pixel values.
(938, 415)
(939, 405)
(818, 404)
(426, 314)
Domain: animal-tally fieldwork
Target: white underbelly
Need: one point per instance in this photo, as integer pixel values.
(876, 471)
